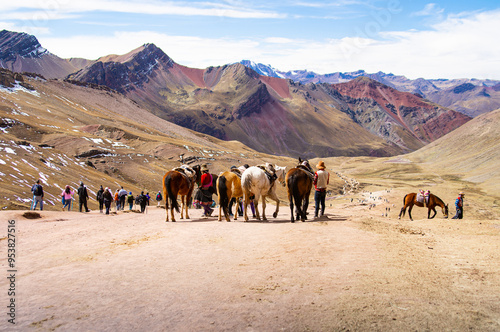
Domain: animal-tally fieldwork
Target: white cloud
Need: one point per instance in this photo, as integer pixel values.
(431, 9)
(152, 7)
(460, 46)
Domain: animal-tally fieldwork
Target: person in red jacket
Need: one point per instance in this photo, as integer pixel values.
(206, 194)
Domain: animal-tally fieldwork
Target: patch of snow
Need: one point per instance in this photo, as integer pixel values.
(2, 162)
(9, 150)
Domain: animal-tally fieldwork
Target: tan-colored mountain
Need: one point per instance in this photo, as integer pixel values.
(274, 115)
(472, 152)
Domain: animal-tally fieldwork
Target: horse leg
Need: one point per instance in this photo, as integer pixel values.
(429, 213)
(182, 207)
(276, 199)
(264, 208)
(256, 206)
(290, 198)
(409, 212)
(166, 208)
(304, 209)
(245, 205)
(402, 212)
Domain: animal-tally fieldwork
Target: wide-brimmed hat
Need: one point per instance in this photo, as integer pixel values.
(321, 165)
(461, 193)
(204, 168)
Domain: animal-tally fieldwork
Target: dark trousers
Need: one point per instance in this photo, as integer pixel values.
(101, 204)
(460, 213)
(319, 199)
(83, 202)
(107, 204)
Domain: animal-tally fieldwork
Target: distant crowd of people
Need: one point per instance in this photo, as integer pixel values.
(104, 197)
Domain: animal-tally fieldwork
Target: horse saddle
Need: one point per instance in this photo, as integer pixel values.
(307, 170)
(421, 198)
(236, 171)
(271, 176)
(187, 172)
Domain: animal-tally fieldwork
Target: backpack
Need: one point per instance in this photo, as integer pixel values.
(37, 190)
(138, 199)
(159, 197)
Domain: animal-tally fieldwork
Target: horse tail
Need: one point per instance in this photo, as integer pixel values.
(171, 195)
(247, 183)
(222, 189)
(404, 200)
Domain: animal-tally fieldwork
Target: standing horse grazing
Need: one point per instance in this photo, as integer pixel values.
(299, 181)
(179, 181)
(228, 187)
(260, 181)
(411, 199)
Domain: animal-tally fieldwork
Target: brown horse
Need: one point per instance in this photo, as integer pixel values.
(179, 181)
(228, 187)
(411, 199)
(299, 181)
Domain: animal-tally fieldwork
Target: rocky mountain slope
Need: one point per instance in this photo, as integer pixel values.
(21, 52)
(446, 92)
(64, 133)
(270, 114)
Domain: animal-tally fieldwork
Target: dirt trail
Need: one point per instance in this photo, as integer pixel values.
(350, 270)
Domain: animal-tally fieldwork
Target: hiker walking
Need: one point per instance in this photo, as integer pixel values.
(83, 196)
(107, 197)
(159, 198)
(459, 205)
(100, 199)
(37, 191)
(321, 180)
(143, 201)
(130, 200)
(67, 197)
(122, 195)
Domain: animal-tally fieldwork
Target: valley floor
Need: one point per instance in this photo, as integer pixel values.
(352, 270)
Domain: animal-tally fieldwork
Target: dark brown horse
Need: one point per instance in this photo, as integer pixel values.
(299, 181)
(411, 199)
(179, 181)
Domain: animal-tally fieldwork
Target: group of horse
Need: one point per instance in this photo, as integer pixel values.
(256, 182)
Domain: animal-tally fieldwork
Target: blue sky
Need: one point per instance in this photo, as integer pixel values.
(440, 39)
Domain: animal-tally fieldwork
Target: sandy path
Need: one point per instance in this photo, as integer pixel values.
(349, 271)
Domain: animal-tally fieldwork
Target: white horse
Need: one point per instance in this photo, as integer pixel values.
(255, 181)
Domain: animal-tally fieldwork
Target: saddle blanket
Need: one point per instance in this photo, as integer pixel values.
(420, 198)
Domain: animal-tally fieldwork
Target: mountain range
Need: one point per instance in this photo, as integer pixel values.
(234, 102)
(469, 96)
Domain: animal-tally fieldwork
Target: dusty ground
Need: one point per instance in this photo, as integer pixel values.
(352, 270)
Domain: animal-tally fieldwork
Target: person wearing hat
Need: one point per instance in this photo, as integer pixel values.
(206, 194)
(321, 180)
(459, 205)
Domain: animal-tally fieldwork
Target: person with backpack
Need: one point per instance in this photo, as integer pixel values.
(67, 197)
(107, 197)
(37, 191)
(143, 201)
(130, 200)
(100, 199)
(83, 196)
(122, 196)
(117, 200)
(159, 198)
